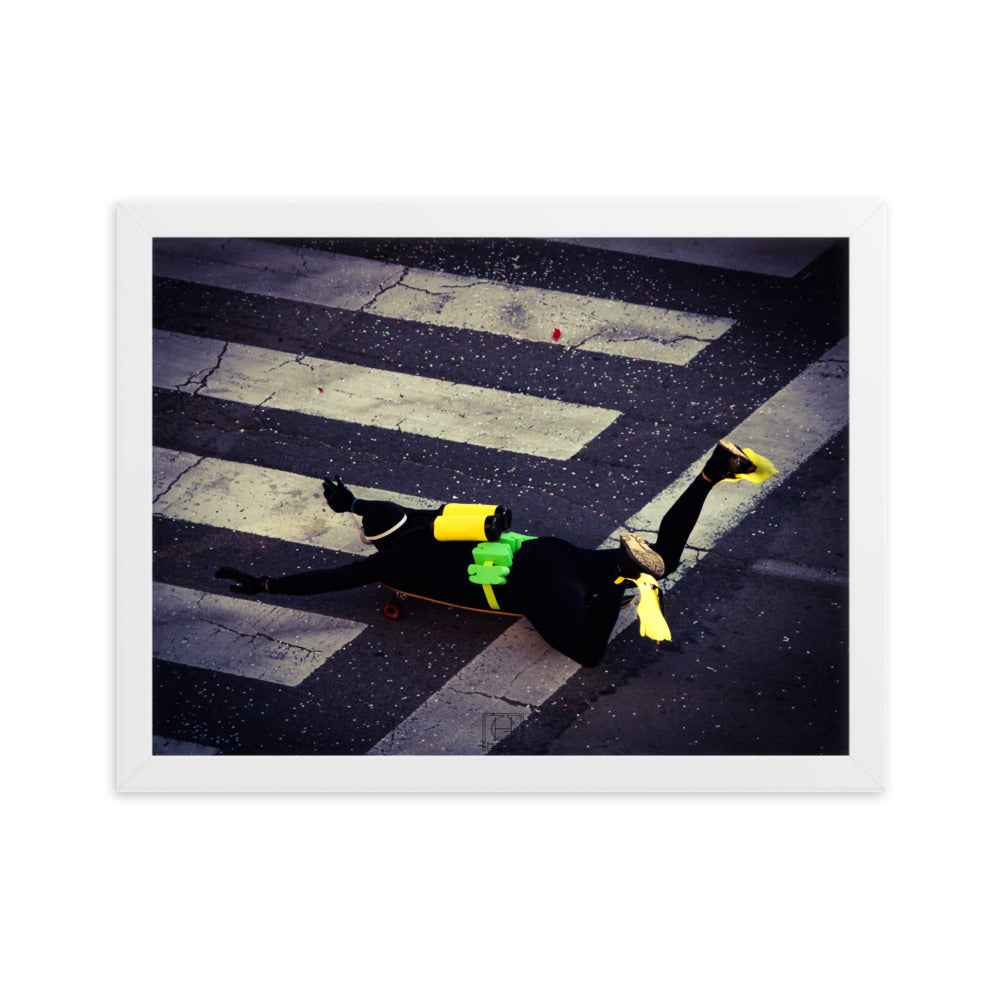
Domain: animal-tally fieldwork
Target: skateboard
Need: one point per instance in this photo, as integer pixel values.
(395, 607)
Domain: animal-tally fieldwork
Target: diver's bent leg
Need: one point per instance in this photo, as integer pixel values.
(727, 462)
(572, 622)
(678, 522)
(599, 622)
(569, 596)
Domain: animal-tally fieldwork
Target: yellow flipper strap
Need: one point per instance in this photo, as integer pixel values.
(491, 598)
(652, 624)
(765, 468)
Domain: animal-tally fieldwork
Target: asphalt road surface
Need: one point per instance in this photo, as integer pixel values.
(578, 385)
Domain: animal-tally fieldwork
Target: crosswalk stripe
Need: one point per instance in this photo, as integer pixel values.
(517, 673)
(247, 638)
(181, 748)
(258, 500)
(765, 255)
(625, 329)
(790, 426)
(489, 418)
(805, 574)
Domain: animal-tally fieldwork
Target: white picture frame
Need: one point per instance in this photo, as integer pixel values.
(863, 222)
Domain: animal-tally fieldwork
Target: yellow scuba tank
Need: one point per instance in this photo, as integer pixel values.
(471, 522)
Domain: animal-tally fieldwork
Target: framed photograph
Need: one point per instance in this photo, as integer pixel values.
(501, 496)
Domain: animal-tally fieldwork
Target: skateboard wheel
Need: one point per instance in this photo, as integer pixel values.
(392, 610)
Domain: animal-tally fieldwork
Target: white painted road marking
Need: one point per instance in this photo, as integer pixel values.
(792, 571)
(394, 291)
(181, 748)
(488, 418)
(517, 673)
(788, 428)
(244, 637)
(258, 500)
(765, 255)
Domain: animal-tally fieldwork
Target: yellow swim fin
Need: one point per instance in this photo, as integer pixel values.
(765, 468)
(652, 624)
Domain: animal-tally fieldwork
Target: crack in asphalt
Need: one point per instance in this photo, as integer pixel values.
(382, 289)
(183, 472)
(206, 373)
(471, 284)
(497, 697)
(296, 360)
(256, 635)
(612, 338)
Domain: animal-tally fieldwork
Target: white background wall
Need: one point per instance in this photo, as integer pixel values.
(146, 896)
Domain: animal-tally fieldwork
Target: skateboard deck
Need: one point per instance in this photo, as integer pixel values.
(394, 608)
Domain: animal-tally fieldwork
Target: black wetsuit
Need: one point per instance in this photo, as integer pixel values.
(566, 592)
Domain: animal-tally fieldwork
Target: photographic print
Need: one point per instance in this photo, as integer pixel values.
(511, 503)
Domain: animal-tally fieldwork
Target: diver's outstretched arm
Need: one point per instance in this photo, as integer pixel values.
(338, 496)
(320, 581)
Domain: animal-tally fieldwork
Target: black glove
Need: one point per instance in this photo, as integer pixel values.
(245, 583)
(338, 496)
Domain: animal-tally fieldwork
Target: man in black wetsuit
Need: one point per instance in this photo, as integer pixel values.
(570, 595)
